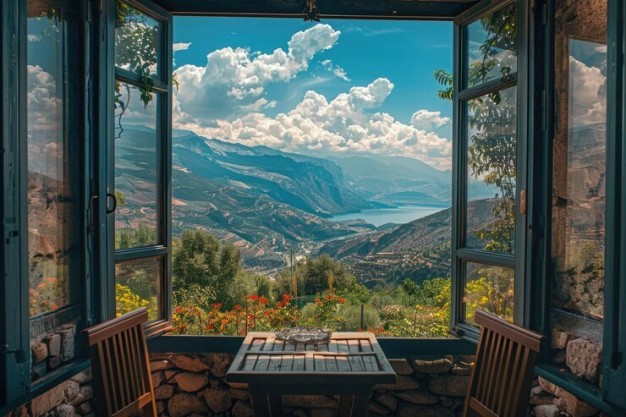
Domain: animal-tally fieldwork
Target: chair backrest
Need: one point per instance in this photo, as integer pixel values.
(504, 369)
(121, 368)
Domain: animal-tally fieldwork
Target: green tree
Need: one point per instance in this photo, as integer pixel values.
(199, 260)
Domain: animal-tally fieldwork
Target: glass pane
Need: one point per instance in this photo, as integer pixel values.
(136, 41)
(578, 212)
(136, 174)
(53, 169)
(491, 171)
(488, 288)
(492, 48)
(138, 284)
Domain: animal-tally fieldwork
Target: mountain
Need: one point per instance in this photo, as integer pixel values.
(396, 180)
(310, 184)
(418, 250)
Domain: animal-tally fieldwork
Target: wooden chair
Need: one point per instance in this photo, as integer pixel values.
(121, 368)
(505, 362)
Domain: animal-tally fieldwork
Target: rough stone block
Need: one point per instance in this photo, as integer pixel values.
(408, 410)
(401, 366)
(388, 401)
(52, 398)
(83, 377)
(39, 351)
(584, 358)
(221, 362)
(67, 333)
(191, 382)
(242, 409)
(438, 366)
(377, 409)
(54, 344)
(418, 397)
(559, 339)
(65, 410)
(84, 408)
(157, 378)
(54, 361)
(160, 365)
(449, 385)
(164, 392)
(573, 406)
(540, 397)
(218, 401)
(191, 364)
(547, 410)
(405, 382)
(240, 394)
(183, 404)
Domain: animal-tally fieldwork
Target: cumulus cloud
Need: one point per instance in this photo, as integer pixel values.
(587, 94)
(428, 120)
(44, 107)
(335, 69)
(181, 46)
(33, 38)
(234, 80)
(346, 123)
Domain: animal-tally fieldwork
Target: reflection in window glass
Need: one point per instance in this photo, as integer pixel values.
(136, 180)
(488, 288)
(136, 41)
(491, 169)
(579, 178)
(492, 49)
(138, 284)
(52, 167)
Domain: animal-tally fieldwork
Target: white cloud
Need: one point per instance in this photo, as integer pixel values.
(181, 46)
(234, 80)
(335, 69)
(587, 94)
(33, 38)
(44, 107)
(428, 120)
(343, 124)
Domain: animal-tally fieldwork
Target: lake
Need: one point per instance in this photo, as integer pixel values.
(398, 215)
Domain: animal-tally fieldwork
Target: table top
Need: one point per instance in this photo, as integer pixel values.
(346, 358)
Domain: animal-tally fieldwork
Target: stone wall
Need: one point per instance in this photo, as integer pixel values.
(71, 398)
(50, 350)
(194, 384)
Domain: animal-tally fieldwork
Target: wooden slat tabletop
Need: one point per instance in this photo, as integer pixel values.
(347, 357)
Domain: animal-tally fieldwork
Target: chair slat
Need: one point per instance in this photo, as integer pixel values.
(122, 378)
(504, 367)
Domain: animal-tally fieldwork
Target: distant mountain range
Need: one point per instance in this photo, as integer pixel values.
(268, 202)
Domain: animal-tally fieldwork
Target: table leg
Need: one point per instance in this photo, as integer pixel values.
(345, 405)
(260, 401)
(276, 405)
(360, 405)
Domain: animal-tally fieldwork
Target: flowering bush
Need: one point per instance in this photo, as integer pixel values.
(258, 314)
(325, 312)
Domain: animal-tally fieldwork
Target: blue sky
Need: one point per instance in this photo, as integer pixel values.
(365, 81)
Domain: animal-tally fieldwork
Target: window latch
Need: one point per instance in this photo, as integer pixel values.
(6, 350)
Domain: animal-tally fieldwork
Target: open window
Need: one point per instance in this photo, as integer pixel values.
(488, 196)
(138, 194)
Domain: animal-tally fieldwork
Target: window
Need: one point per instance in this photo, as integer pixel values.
(486, 165)
(311, 180)
(54, 193)
(139, 198)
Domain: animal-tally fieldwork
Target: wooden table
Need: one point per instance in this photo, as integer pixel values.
(349, 365)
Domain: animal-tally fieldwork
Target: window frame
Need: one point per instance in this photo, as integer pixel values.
(462, 94)
(162, 93)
